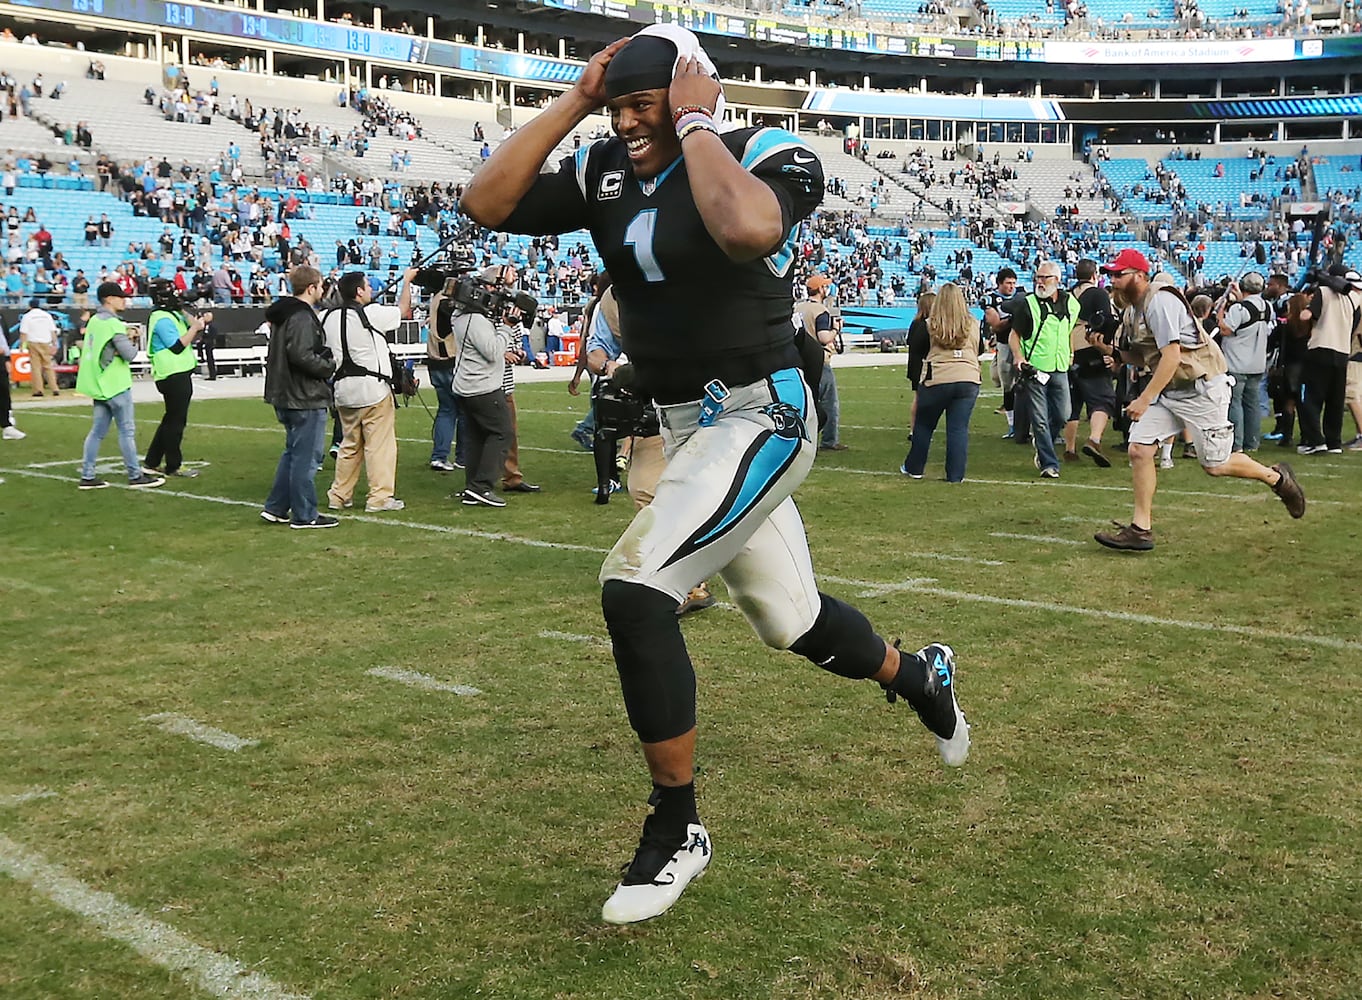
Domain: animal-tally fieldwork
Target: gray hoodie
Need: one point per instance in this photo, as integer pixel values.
(481, 347)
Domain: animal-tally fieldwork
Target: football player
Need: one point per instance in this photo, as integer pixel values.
(695, 226)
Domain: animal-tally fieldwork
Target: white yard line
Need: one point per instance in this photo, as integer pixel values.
(1129, 616)
(272, 430)
(425, 682)
(1055, 484)
(549, 633)
(211, 971)
(878, 586)
(182, 725)
(9, 801)
(1047, 539)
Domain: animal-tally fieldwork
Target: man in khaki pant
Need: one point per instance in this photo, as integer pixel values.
(38, 331)
(356, 334)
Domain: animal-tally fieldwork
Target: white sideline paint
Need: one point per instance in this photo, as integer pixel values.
(985, 598)
(875, 588)
(261, 430)
(425, 682)
(549, 633)
(9, 801)
(1047, 539)
(212, 972)
(182, 725)
(1129, 616)
(1054, 484)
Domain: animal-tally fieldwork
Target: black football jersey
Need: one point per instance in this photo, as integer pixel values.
(688, 314)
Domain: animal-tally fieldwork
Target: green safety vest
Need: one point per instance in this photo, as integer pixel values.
(1048, 349)
(92, 380)
(165, 362)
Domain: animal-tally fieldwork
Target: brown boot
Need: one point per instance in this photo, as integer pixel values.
(1289, 490)
(1129, 538)
(697, 600)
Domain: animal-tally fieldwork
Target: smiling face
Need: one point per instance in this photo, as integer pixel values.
(643, 120)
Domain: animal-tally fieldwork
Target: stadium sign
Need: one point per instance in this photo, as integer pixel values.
(1246, 50)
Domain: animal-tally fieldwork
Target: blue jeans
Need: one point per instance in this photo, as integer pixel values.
(1049, 413)
(1245, 411)
(295, 488)
(451, 423)
(119, 409)
(832, 409)
(956, 401)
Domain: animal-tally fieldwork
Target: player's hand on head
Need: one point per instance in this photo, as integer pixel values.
(692, 87)
(591, 84)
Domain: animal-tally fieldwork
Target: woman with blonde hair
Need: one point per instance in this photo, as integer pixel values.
(949, 384)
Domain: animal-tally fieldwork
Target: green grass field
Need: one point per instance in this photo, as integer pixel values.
(1150, 809)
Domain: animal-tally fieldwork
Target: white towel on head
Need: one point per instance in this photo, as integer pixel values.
(688, 46)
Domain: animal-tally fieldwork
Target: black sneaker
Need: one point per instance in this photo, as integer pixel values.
(930, 691)
(92, 484)
(320, 521)
(146, 482)
(662, 867)
(484, 498)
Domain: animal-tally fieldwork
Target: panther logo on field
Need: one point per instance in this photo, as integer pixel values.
(787, 421)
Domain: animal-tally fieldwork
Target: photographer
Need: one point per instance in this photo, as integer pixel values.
(1040, 340)
(1245, 321)
(482, 339)
(1334, 313)
(1091, 377)
(172, 367)
(449, 430)
(358, 333)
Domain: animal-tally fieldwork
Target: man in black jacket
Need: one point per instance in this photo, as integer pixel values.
(296, 370)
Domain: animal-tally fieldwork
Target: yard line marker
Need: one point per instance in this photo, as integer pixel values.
(8, 801)
(1047, 539)
(443, 529)
(211, 971)
(874, 588)
(1051, 484)
(271, 430)
(1140, 619)
(181, 725)
(549, 633)
(413, 678)
(519, 540)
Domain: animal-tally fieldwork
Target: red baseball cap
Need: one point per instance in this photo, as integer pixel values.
(1127, 260)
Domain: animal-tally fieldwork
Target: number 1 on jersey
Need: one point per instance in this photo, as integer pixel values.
(639, 235)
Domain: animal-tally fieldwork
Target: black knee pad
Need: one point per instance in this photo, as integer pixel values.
(655, 671)
(841, 641)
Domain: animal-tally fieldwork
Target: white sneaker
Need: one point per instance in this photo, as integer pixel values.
(392, 503)
(441, 466)
(1166, 462)
(648, 889)
(13, 434)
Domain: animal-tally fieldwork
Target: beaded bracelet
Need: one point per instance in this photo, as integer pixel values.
(693, 118)
(690, 109)
(699, 125)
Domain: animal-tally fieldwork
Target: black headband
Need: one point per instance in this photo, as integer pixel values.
(648, 62)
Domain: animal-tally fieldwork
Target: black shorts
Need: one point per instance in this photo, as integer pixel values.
(1098, 392)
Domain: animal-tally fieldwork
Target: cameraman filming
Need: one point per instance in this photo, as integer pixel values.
(172, 367)
(483, 338)
(357, 334)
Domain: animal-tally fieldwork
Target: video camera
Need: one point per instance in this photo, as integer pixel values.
(471, 294)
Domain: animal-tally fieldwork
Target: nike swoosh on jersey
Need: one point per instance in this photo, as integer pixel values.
(803, 159)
